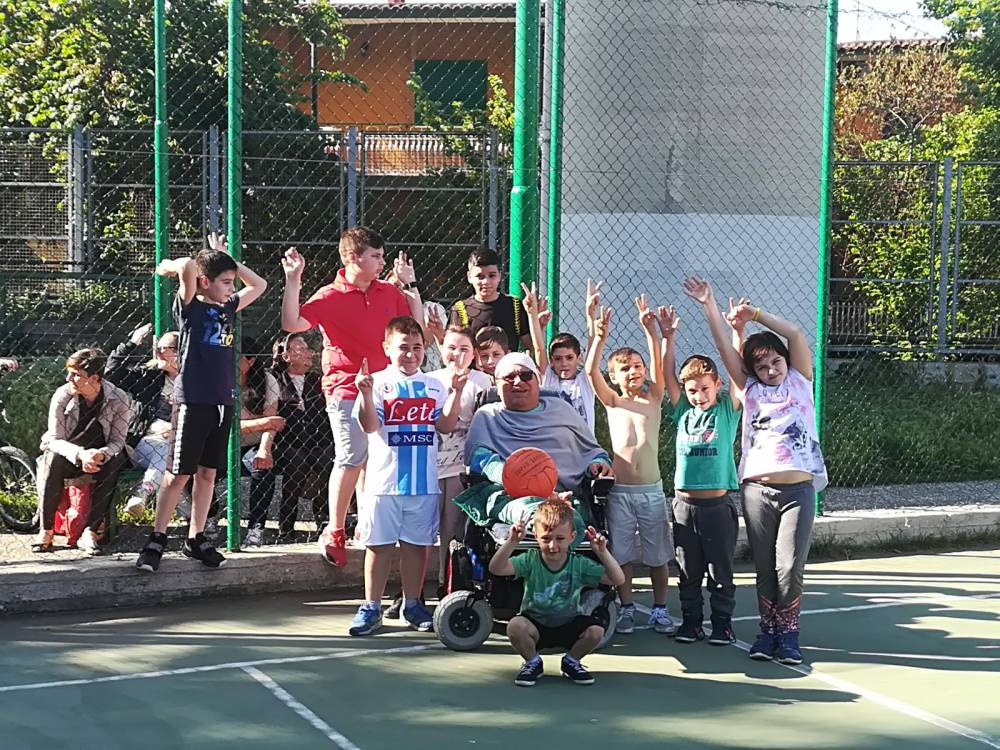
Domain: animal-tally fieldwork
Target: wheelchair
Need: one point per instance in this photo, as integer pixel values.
(480, 603)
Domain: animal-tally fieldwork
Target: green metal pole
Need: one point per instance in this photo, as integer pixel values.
(825, 207)
(161, 291)
(524, 196)
(555, 162)
(234, 157)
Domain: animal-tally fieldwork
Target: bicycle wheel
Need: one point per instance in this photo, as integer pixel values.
(18, 490)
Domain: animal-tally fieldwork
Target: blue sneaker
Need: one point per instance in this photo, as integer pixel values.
(530, 673)
(788, 651)
(366, 621)
(419, 618)
(763, 648)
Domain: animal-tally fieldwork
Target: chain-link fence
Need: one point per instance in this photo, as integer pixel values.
(691, 144)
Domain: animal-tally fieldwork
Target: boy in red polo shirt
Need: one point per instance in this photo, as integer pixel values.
(352, 313)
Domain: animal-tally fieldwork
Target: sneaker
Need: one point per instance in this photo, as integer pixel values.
(200, 548)
(626, 620)
(87, 542)
(394, 609)
(689, 632)
(419, 618)
(722, 635)
(135, 505)
(530, 672)
(763, 648)
(254, 537)
(367, 620)
(576, 672)
(43, 542)
(659, 618)
(149, 557)
(211, 527)
(333, 544)
(787, 651)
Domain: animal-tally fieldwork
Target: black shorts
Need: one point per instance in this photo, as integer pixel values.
(562, 636)
(199, 438)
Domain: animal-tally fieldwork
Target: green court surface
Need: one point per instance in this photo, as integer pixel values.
(901, 652)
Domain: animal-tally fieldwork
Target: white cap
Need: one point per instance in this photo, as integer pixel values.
(509, 362)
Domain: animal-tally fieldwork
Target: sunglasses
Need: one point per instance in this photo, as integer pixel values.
(526, 376)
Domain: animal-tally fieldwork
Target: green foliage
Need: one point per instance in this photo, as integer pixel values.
(90, 62)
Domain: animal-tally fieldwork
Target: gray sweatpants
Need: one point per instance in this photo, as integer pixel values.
(779, 520)
(705, 533)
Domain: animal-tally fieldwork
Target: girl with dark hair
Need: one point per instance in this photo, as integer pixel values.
(781, 466)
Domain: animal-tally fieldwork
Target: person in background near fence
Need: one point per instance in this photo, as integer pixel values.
(259, 426)
(303, 451)
(351, 312)
(560, 364)
(636, 502)
(706, 517)
(781, 465)
(151, 386)
(554, 577)
(399, 408)
(205, 310)
(488, 306)
(87, 428)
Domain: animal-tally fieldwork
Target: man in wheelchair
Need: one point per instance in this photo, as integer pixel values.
(550, 614)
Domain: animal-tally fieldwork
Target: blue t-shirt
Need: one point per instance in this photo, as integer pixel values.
(208, 368)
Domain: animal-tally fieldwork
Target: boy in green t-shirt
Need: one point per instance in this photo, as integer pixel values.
(554, 577)
(705, 514)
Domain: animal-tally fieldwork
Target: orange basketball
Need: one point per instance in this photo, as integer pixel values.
(530, 472)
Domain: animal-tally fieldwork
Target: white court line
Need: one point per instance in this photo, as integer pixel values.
(882, 605)
(218, 667)
(289, 700)
(878, 698)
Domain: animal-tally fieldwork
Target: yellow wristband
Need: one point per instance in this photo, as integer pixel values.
(756, 314)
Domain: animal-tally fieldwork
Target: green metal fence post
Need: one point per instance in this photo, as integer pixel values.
(524, 196)
(234, 143)
(825, 208)
(555, 163)
(161, 290)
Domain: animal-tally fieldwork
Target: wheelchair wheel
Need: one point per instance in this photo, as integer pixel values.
(605, 607)
(461, 627)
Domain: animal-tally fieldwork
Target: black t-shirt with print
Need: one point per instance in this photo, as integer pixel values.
(208, 367)
(505, 311)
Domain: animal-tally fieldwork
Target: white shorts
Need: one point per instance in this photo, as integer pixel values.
(642, 508)
(387, 519)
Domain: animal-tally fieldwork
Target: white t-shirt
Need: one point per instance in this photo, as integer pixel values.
(298, 383)
(578, 392)
(451, 447)
(402, 454)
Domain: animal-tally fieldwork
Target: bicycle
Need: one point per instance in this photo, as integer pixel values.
(18, 486)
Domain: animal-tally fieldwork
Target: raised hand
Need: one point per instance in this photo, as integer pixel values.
(516, 533)
(593, 298)
(402, 267)
(647, 318)
(140, 333)
(668, 319)
(544, 317)
(698, 289)
(363, 382)
(459, 376)
(740, 313)
(218, 243)
(598, 542)
(434, 324)
(293, 264)
(533, 304)
(602, 324)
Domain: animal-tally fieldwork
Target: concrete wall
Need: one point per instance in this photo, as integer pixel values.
(692, 145)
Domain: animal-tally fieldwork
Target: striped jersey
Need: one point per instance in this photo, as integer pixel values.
(402, 454)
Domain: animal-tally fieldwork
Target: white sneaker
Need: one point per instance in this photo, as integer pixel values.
(135, 505)
(255, 537)
(87, 542)
(626, 621)
(659, 618)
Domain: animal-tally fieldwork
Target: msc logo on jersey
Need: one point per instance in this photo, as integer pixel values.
(397, 439)
(412, 411)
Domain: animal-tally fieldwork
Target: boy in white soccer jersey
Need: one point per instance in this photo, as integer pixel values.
(401, 409)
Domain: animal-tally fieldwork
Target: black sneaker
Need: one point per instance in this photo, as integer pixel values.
(576, 672)
(529, 674)
(202, 549)
(722, 635)
(392, 613)
(689, 632)
(149, 557)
